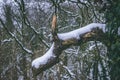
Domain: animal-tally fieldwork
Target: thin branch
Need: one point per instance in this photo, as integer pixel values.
(27, 22)
(37, 33)
(16, 39)
(69, 71)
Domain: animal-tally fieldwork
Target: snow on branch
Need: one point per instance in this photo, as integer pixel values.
(93, 31)
(69, 71)
(76, 33)
(6, 40)
(43, 59)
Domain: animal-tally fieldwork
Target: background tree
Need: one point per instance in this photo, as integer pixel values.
(25, 34)
(112, 14)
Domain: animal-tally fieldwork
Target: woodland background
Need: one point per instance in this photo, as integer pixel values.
(25, 34)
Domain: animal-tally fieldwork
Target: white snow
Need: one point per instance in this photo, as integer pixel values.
(7, 40)
(92, 47)
(43, 59)
(21, 77)
(27, 50)
(7, 1)
(76, 33)
(69, 71)
(43, 5)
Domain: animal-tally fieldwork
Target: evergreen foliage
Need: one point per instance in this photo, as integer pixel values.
(112, 15)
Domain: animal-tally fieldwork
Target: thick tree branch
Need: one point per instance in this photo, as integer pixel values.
(93, 31)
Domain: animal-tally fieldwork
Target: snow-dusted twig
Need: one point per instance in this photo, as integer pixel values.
(6, 40)
(36, 33)
(27, 22)
(69, 71)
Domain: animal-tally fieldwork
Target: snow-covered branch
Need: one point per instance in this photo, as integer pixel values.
(43, 59)
(93, 31)
(78, 32)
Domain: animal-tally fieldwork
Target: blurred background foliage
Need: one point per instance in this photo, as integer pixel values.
(25, 34)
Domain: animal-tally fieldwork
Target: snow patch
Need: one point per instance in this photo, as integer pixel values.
(43, 59)
(76, 33)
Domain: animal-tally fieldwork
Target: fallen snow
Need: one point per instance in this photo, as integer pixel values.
(43, 59)
(76, 33)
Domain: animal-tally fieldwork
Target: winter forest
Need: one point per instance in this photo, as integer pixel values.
(59, 39)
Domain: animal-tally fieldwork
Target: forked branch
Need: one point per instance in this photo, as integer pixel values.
(93, 31)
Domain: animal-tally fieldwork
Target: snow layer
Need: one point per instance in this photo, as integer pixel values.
(43, 59)
(76, 33)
